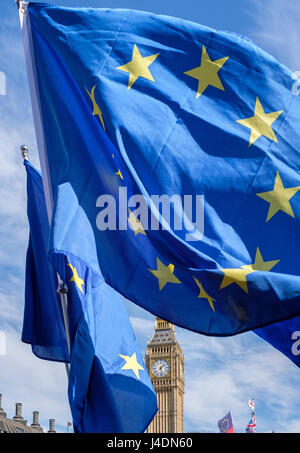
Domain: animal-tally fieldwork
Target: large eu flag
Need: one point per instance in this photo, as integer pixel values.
(109, 387)
(134, 111)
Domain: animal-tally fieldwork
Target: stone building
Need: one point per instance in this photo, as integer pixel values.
(165, 364)
(18, 424)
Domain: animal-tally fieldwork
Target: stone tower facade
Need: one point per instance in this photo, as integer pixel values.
(165, 365)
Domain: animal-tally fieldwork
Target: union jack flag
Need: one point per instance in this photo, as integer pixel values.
(251, 427)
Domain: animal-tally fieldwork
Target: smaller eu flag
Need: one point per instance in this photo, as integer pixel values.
(43, 326)
(225, 424)
(109, 387)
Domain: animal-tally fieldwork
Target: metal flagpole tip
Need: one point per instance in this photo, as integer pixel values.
(24, 151)
(22, 6)
(62, 288)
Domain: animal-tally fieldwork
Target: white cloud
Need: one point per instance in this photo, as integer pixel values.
(37, 384)
(223, 373)
(142, 326)
(277, 29)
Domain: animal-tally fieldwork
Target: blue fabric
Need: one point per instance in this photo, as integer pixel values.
(43, 326)
(104, 396)
(280, 336)
(164, 140)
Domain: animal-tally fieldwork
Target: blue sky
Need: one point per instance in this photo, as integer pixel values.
(221, 373)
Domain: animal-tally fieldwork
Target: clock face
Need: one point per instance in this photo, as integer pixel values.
(160, 368)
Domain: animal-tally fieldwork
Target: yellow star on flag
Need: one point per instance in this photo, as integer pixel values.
(279, 198)
(238, 275)
(119, 174)
(138, 66)
(135, 224)
(164, 274)
(203, 295)
(260, 123)
(260, 264)
(207, 73)
(96, 108)
(131, 364)
(75, 278)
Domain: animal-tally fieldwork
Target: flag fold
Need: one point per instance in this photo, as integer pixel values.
(43, 325)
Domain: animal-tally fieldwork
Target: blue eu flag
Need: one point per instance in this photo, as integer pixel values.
(172, 154)
(225, 424)
(109, 387)
(43, 326)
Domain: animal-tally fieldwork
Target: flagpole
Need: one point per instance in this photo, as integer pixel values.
(62, 289)
(24, 151)
(37, 117)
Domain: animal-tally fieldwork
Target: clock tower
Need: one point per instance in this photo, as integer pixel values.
(165, 365)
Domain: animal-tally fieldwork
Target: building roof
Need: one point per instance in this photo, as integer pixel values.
(18, 424)
(8, 425)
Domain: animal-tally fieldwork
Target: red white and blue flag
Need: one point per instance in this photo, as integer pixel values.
(251, 427)
(251, 404)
